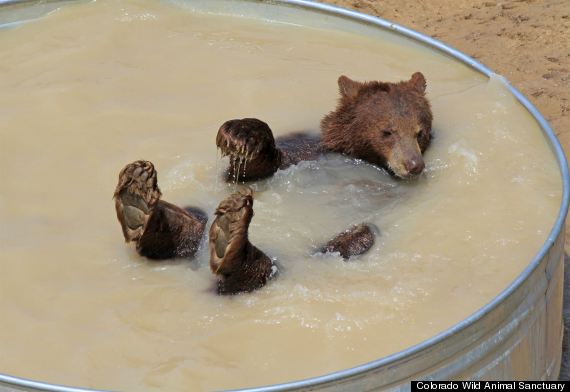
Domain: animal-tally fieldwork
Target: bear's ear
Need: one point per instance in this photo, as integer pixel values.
(347, 87)
(418, 82)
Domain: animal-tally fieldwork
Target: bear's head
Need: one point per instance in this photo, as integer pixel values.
(387, 124)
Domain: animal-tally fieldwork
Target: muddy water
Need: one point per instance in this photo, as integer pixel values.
(90, 88)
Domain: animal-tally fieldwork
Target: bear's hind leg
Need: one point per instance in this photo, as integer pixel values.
(136, 196)
(239, 265)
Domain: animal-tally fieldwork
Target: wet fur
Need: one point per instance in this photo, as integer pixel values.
(160, 229)
(352, 242)
(171, 232)
(386, 124)
(239, 265)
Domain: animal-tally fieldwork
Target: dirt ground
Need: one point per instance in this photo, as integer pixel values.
(527, 41)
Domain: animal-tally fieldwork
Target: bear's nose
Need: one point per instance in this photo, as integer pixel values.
(415, 166)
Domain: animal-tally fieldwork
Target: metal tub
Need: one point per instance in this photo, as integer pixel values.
(518, 335)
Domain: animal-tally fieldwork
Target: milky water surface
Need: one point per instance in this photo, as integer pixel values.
(92, 87)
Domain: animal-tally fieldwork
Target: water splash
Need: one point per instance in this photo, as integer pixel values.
(235, 175)
(241, 164)
(219, 157)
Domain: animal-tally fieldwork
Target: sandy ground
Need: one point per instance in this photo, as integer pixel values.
(527, 41)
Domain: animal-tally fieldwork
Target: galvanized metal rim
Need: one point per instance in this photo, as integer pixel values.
(390, 359)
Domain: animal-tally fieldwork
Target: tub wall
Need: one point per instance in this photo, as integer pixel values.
(518, 339)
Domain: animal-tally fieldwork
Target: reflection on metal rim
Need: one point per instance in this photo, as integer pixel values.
(366, 376)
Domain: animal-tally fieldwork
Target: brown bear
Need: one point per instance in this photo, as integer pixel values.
(161, 230)
(386, 124)
(240, 266)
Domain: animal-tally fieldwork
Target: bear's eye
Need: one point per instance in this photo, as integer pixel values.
(387, 133)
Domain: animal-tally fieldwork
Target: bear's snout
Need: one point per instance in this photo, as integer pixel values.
(405, 159)
(414, 166)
